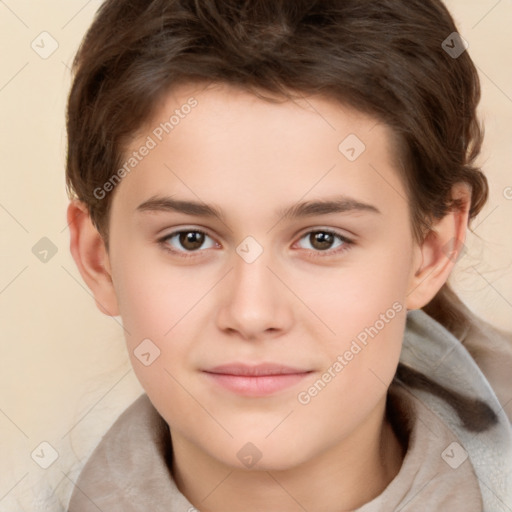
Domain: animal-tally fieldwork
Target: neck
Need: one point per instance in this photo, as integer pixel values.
(344, 477)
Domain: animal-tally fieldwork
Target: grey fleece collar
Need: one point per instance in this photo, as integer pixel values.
(432, 350)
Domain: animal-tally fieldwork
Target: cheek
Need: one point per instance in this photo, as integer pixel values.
(153, 296)
(364, 308)
(353, 297)
(363, 348)
(163, 304)
(355, 382)
(366, 311)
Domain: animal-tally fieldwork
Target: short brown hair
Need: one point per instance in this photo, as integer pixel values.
(384, 58)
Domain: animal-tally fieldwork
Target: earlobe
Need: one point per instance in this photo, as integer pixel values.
(439, 251)
(91, 257)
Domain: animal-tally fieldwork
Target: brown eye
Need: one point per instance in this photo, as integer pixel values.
(191, 240)
(321, 240)
(187, 241)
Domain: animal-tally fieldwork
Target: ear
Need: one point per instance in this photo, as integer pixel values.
(437, 254)
(91, 257)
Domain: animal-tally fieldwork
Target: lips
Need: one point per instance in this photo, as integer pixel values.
(255, 380)
(255, 370)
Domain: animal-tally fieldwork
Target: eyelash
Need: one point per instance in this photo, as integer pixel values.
(347, 243)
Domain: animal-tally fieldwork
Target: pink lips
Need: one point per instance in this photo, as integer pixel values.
(259, 380)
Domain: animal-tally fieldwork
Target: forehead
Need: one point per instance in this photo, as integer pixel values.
(214, 139)
(221, 99)
(275, 120)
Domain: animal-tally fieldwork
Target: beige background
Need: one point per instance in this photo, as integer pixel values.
(64, 374)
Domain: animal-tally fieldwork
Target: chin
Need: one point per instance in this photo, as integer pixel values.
(260, 454)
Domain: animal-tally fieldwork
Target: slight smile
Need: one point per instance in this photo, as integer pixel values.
(256, 380)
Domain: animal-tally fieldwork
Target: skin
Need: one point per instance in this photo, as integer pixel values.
(299, 303)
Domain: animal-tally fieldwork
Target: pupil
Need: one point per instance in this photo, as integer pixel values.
(322, 240)
(191, 240)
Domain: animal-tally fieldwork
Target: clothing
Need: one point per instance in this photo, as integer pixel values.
(446, 467)
(492, 351)
(426, 481)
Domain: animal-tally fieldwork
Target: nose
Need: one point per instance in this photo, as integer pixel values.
(255, 304)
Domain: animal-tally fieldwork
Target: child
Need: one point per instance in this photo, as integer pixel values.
(272, 196)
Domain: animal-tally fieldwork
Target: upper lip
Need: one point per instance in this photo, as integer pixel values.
(249, 370)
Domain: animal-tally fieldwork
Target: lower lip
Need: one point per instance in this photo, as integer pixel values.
(260, 385)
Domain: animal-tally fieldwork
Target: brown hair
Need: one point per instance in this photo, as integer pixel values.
(384, 58)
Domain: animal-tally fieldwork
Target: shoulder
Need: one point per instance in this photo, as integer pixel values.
(129, 464)
(428, 475)
(491, 348)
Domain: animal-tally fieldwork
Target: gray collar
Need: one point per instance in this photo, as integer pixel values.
(432, 350)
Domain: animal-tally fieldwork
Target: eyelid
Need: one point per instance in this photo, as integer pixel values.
(163, 239)
(343, 234)
(347, 241)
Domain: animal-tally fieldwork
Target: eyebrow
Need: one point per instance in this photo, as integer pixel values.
(341, 204)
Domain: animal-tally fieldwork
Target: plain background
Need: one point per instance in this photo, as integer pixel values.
(64, 372)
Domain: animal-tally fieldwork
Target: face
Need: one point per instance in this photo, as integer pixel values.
(272, 309)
